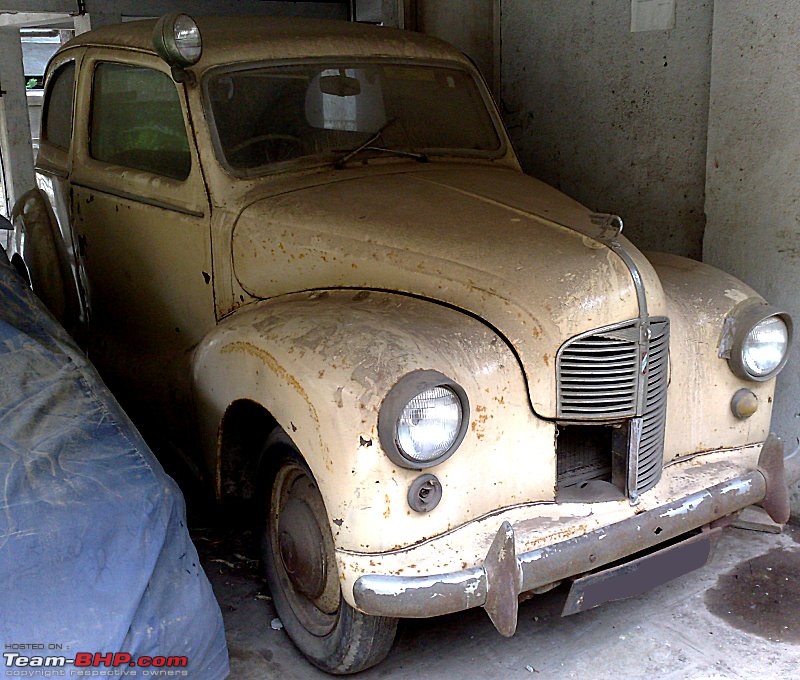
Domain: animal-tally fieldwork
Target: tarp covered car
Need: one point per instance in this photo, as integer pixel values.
(95, 556)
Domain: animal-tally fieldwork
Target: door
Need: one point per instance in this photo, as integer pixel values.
(142, 218)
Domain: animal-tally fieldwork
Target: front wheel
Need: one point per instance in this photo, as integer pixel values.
(299, 559)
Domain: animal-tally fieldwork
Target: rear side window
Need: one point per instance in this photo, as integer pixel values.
(58, 106)
(137, 121)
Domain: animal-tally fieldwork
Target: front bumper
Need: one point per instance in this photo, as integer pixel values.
(497, 584)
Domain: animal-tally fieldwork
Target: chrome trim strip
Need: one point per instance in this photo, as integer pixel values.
(139, 199)
(634, 440)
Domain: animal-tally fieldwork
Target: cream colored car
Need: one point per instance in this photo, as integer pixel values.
(307, 252)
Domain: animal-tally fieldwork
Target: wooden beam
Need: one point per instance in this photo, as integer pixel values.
(134, 8)
(33, 19)
(15, 127)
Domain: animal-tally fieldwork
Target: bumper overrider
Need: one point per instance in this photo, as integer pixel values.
(505, 575)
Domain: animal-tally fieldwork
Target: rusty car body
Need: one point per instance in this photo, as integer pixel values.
(309, 251)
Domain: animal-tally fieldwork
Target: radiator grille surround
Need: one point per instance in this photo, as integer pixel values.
(620, 373)
(654, 416)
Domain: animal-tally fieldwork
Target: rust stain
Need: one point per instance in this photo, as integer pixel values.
(544, 524)
(272, 363)
(546, 359)
(388, 510)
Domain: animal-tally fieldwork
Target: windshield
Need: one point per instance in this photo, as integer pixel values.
(266, 115)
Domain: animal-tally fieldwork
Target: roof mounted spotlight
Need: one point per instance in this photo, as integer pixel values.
(177, 40)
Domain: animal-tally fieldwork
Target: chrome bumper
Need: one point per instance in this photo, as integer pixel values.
(504, 575)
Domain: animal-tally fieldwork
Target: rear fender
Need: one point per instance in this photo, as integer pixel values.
(39, 242)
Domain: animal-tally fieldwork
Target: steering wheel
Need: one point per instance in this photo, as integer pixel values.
(277, 147)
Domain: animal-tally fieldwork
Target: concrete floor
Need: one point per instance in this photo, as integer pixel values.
(735, 619)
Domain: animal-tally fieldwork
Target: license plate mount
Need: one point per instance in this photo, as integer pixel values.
(641, 575)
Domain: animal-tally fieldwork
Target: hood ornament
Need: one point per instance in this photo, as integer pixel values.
(611, 225)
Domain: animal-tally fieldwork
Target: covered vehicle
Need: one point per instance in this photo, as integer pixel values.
(307, 251)
(95, 556)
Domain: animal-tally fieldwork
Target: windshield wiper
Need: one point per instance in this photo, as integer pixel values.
(367, 145)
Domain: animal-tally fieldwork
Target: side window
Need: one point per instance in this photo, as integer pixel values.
(57, 116)
(137, 121)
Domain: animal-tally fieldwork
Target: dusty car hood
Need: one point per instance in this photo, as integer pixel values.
(491, 241)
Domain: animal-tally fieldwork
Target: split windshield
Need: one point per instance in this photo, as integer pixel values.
(267, 115)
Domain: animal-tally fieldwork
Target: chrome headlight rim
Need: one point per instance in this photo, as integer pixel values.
(407, 388)
(745, 320)
(167, 43)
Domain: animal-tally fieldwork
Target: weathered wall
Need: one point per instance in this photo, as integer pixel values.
(753, 180)
(467, 24)
(616, 119)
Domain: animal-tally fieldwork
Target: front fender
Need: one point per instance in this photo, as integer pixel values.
(321, 363)
(699, 298)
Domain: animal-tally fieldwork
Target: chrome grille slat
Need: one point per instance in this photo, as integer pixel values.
(599, 377)
(597, 373)
(654, 418)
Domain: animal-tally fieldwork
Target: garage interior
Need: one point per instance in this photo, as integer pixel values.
(681, 117)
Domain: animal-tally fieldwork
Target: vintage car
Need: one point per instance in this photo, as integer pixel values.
(306, 251)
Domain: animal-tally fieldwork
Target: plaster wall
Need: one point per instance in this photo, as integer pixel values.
(753, 173)
(615, 119)
(467, 24)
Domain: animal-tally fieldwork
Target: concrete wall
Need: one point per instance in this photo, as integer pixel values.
(467, 24)
(614, 118)
(753, 179)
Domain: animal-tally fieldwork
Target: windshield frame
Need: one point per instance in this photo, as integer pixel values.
(327, 159)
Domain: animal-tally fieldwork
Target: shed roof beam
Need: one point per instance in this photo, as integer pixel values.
(53, 6)
(29, 19)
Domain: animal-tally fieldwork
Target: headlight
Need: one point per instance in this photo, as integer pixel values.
(177, 40)
(760, 343)
(423, 420)
(765, 346)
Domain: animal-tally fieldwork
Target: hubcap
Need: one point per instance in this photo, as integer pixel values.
(302, 548)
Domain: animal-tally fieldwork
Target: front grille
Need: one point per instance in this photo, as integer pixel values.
(608, 375)
(654, 418)
(597, 374)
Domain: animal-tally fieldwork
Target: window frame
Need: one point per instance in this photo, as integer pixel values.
(49, 86)
(189, 197)
(95, 66)
(312, 162)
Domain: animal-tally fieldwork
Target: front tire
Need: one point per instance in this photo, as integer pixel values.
(300, 564)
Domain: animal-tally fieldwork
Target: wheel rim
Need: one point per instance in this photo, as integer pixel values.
(302, 550)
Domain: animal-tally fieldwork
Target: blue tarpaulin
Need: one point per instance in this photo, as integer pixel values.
(95, 556)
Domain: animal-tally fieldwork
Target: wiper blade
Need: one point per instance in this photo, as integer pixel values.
(367, 145)
(421, 157)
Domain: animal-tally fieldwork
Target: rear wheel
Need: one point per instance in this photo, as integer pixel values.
(299, 559)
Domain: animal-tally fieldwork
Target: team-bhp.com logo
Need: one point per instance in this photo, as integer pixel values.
(97, 664)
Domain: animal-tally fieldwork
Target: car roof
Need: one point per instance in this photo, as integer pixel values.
(229, 40)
